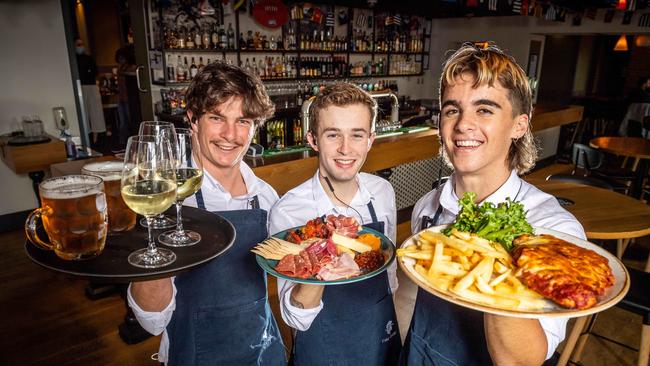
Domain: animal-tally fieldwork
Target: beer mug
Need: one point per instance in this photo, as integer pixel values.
(120, 216)
(73, 211)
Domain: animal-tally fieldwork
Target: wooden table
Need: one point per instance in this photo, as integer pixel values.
(634, 147)
(604, 214)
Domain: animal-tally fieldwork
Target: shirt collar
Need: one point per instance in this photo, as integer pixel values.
(252, 185)
(510, 188)
(325, 205)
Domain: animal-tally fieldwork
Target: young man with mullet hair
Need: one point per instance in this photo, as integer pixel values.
(485, 136)
(351, 324)
(218, 314)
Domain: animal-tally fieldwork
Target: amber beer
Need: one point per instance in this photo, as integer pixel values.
(73, 210)
(120, 217)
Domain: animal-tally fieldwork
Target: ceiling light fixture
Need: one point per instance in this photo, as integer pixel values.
(621, 44)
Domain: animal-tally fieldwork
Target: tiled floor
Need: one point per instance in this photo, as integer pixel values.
(623, 326)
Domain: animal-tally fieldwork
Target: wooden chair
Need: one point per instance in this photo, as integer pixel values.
(637, 301)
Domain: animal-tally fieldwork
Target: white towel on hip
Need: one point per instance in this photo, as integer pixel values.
(94, 110)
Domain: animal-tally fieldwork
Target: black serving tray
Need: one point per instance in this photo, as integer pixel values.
(217, 235)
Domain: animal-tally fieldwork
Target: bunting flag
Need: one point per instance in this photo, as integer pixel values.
(631, 5)
(516, 6)
(524, 7)
(644, 20)
(550, 13)
(577, 20)
(609, 15)
(329, 19)
(492, 5)
(627, 17)
(591, 13)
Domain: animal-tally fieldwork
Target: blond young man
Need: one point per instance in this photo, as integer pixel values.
(485, 136)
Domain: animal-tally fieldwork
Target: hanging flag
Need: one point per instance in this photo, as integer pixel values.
(609, 15)
(627, 17)
(516, 6)
(577, 20)
(621, 5)
(644, 20)
(631, 5)
(550, 13)
(329, 19)
(492, 5)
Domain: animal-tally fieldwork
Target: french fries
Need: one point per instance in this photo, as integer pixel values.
(472, 268)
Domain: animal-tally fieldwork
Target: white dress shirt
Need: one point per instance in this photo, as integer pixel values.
(542, 210)
(215, 198)
(308, 201)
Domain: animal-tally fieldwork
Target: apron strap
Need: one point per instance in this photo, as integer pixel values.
(199, 199)
(371, 209)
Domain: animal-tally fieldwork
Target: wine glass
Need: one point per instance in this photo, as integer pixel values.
(167, 130)
(189, 175)
(148, 187)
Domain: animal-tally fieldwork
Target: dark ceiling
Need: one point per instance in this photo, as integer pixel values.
(460, 8)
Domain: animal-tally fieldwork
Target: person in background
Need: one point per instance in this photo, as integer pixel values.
(92, 99)
(642, 93)
(218, 313)
(485, 135)
(125, 58)
(352, 324)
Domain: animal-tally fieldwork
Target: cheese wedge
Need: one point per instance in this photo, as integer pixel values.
(350, 243)
(341, 249)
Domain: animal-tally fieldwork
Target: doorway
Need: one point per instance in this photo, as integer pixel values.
(109, 67)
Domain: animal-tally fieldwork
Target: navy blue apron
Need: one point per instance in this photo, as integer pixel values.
(444, 334)
(222, 314)
(357, 325)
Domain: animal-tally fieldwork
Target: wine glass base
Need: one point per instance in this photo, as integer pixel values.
(144, 258)
(184, 238)
(159, 222)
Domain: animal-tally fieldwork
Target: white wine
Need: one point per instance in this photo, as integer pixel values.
(188, 181)
(149, 197)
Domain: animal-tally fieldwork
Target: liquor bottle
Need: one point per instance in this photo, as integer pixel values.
(193, 69)
(180, 72)
(201, 65)
(247, 66)
(261, 68)
(205, 39)
(214, 37)
(198, 40)
(242, 41)
(189, 40)
(231, 37)
(250, 43)
(223, 38)
(254, 67)
(171, 74)
(272, 44)
(181, 38)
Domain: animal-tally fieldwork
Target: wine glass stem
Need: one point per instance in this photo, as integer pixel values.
(179, 219)
(151, 247)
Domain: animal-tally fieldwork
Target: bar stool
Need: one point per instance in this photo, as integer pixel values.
(637, 300)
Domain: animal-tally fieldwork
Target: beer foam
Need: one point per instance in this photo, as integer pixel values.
(71, 186)
(108, 170)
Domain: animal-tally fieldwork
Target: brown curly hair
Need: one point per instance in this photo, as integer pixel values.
(489, 65)
(218, 82)
(340, 95)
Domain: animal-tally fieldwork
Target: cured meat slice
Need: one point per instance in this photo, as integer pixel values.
(343, 225)
(341, 267)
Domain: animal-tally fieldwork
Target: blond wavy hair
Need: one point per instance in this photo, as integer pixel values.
(489, 65)
(341, 95)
